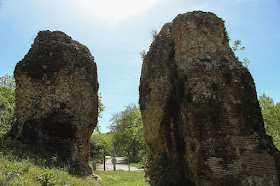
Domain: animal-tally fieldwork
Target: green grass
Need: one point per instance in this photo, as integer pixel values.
(26, 172)
(120, 178)
(138, 165)
(21, 164)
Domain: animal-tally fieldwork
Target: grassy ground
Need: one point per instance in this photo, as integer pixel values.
(121, 178)
(138, 165)
(21, 164)
(24, 172)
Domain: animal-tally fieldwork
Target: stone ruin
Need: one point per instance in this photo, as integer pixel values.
(202, 120)
(57, 97)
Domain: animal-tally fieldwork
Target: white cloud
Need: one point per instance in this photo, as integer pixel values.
(114, 11)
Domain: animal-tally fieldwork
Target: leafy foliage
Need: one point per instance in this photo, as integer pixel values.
(236, 47)
(7, 102)
(101, 144)
(47, 176)
(101, 108)
(271, 117)
(127, 131)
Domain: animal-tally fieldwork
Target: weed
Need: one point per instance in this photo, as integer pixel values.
(46, 177)
(154, 33)
(226, 36)
(143, 54)
(54, 160)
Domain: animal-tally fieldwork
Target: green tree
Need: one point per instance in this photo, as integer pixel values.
(101, 144)
(101, 108)
(7, 102)
(127, 131)
(271, 117)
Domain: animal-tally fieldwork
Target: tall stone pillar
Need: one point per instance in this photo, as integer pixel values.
(57, 97)
(202, 120)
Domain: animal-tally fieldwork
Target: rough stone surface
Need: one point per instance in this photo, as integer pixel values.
(57, 97)
(202, 121)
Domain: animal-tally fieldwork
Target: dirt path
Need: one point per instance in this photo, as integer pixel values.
(120, 165)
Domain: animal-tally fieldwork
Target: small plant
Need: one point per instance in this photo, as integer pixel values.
(143, 54)
(226, 36)
(236, 47)
(12, 169)
(26, 167)
(154, 33)
(245, 62)
(54, 160)
(47, 176)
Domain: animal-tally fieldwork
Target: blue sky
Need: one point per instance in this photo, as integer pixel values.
(116, 31)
